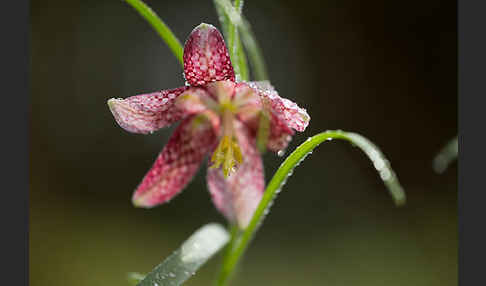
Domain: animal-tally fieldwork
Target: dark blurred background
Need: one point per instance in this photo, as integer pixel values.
(385, 69)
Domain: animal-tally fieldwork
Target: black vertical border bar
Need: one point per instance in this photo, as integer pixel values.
(14, 116)
(472, 143)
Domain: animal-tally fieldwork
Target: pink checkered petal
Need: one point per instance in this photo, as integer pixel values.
(146, 113)
(177, 163)
(280, 134)
(245, 96)
(206, 58)
(287, 111)
(238, 196)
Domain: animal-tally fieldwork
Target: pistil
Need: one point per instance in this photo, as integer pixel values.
(228, 153)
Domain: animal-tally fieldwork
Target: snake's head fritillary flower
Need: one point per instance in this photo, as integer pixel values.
(218, 117)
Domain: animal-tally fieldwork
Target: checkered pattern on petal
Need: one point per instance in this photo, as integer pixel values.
(286, 110)
(146, 113)
(177, 163)
(206, 57)
(285, 116)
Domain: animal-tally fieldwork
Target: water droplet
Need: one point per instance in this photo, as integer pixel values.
(280, 153)
(172, 275)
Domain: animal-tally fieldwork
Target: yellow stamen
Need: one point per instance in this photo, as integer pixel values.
(227, 155)
(237, 153)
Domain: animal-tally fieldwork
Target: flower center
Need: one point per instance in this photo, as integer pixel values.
(228, 100)
(228, 154)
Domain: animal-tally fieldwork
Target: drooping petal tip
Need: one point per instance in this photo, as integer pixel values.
(288, 111)
(119, 109)
(139, 202)
(206, 57)
(146, 113)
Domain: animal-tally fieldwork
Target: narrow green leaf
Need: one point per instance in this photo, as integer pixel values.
(446, 156)
(230, 31)
(223, 19)
(247, 36)
(254, 51)
(242, 60)
(159, 26)
(186, 260)
(232, 35)
(379, 161)
(240, 52)
(235, 232)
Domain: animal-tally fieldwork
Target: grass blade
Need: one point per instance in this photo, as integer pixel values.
(379, 161)
(186, 260)
(240, 52)
(254, 52)
(247, 36)
(446, 156)
(242, 60)
(230, 31)
(159, 26)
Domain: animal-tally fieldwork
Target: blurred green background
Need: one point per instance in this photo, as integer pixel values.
(385, 69)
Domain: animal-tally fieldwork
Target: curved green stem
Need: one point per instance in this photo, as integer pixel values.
(235, 234)
(380, 163)
(162, 29)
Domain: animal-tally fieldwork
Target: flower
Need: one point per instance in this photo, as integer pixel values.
(219, 117)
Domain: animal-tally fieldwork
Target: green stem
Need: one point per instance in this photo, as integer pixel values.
(230, 31)
(235, 233)
(159, 26)
(254, 52)
(242, 61)
(374, 154)
(247, 36)
(240, 52)
(233, 32)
